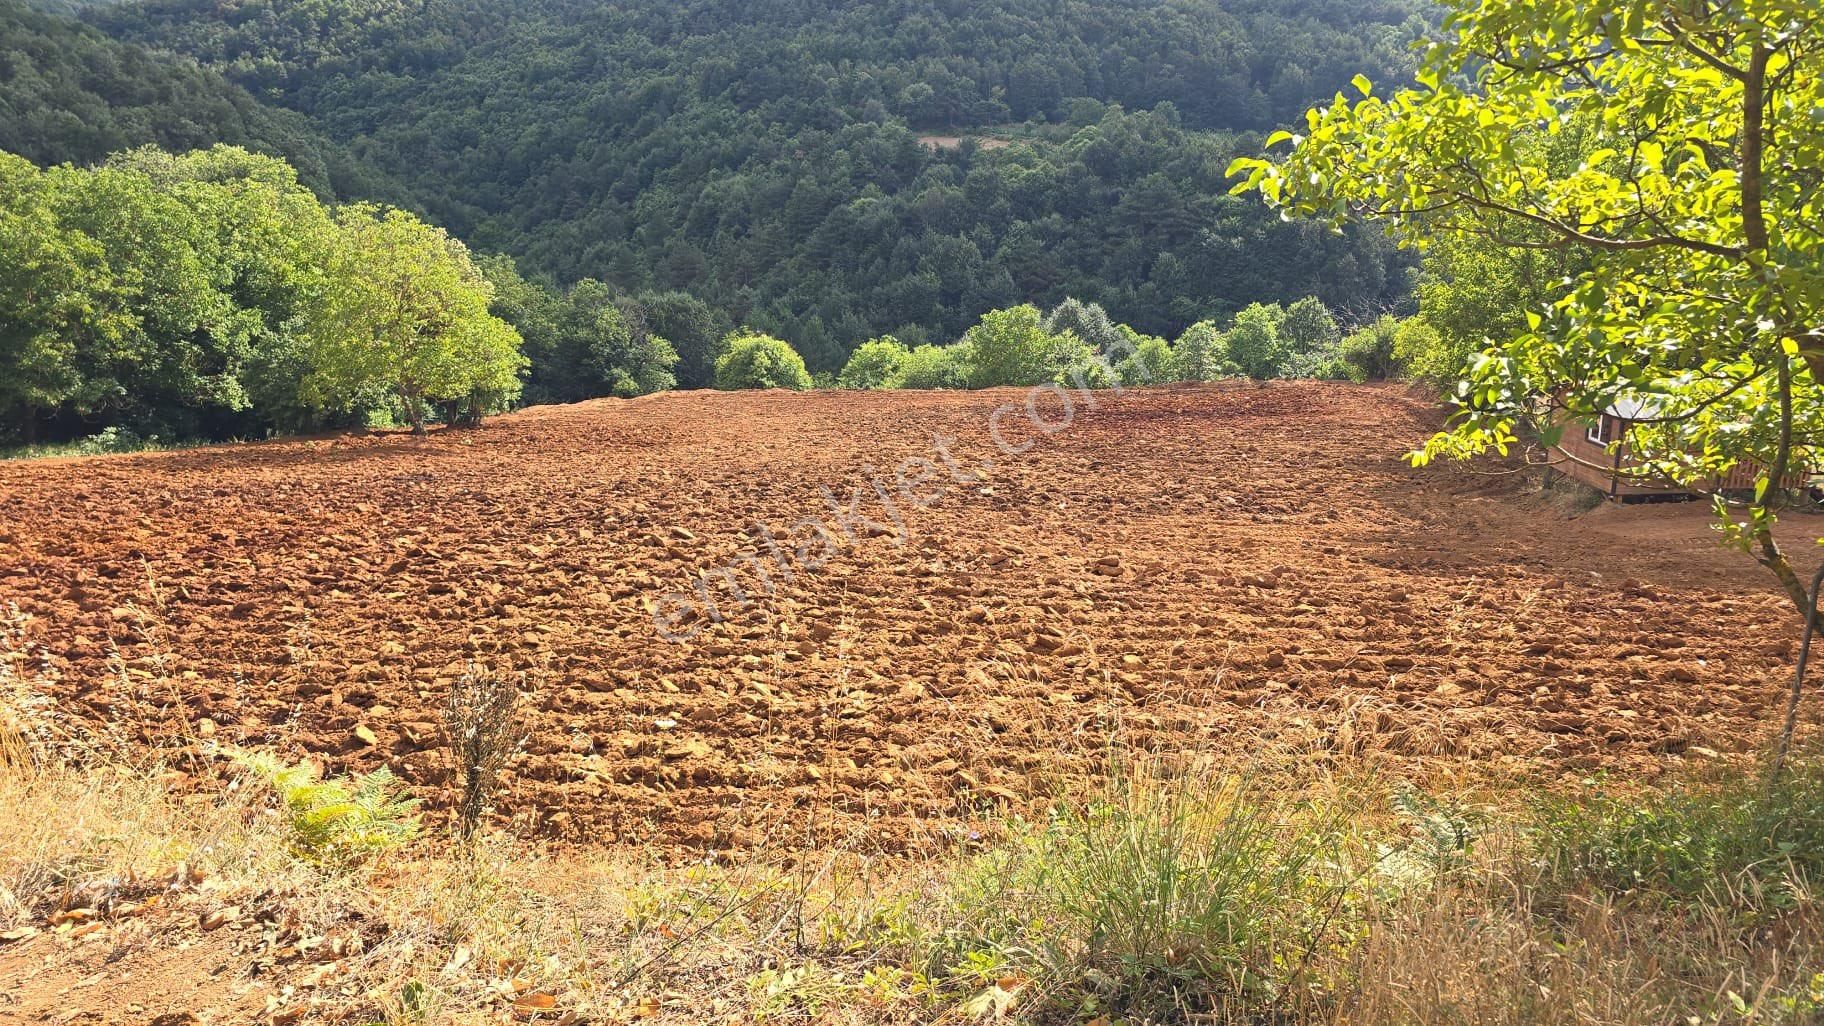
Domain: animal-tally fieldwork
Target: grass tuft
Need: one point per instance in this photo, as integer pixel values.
(1159, 895)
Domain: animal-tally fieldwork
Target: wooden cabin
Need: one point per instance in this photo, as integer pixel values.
(1597, 455)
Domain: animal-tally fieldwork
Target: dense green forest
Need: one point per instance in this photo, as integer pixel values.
(767, 157)
(69, 93)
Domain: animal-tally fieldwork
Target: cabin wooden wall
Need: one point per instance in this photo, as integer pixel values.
(1592, 464)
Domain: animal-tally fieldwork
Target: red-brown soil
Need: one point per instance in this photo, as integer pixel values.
(1209, 567)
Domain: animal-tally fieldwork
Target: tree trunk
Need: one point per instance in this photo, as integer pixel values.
(1789, 723)
(1770, 500)
(1774, 559)
(28, 427)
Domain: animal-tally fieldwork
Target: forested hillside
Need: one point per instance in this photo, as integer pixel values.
(774, 158)
(69, 93)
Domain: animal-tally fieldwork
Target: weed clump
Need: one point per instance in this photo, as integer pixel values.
(1159, 896)
(336, 819)
(1731, 838)
(482, 730)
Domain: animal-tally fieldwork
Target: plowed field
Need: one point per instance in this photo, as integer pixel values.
(1216, 567)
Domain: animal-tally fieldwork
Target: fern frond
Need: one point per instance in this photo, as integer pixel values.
(336, 817)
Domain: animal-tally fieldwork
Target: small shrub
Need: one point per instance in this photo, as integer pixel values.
(107, 441)
(1200, 354)
(874, 364)
(1082, 367)
(1253, 341)
(1369, 351)
(114, 440)
(1012, 347)
(336, 818)
(1439, 844)
(1727, 839)
(931, 366)
(482, 730)
(1310, 343)
(1426, 355)
(1148, 361)
(1316, 365)
(760, 361)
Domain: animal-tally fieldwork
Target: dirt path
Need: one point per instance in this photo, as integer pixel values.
(1211, 566)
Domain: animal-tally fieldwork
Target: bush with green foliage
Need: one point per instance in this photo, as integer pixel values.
(760, 361)
(1325, 365)
(1252, 340)
(1426, 355)
(1369, 351)
(695, 330)
(336, 819)
(1266, 340)
(1080, 366)
(1162, 893)
(1311, 342)
(930, 366)
(1308, 327)
(1201, 355)
(1726, 839)
(874, 364)
(1473, 293)
(1012, 347)
(106, 442)
(1147, 360)
(584, 342)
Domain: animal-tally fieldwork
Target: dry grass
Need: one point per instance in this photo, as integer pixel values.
(1482, 954)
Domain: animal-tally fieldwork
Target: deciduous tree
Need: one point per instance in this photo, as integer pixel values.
(407, 309)
(1696, 208)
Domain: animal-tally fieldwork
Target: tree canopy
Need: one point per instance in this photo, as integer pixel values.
(212, 295)
(1692, 213)
(405, 309)
(760, 361)
(876, 363)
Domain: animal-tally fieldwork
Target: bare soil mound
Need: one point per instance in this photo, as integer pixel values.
(1208, 567)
